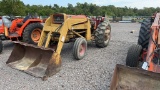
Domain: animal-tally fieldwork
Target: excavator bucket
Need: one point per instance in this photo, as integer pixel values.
(127, 78)
(34, 60)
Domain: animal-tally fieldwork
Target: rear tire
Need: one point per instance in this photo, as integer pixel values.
(32, 33)
(1, 46)
(144, 33)
(133, 55)
(102, 34)
(79, 48)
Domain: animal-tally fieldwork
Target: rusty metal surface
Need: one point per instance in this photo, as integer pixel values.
(158, 38)
(152, 46)
(127, 78)
(156, 20)
(31, 45)
(156, 25)
(33, 60)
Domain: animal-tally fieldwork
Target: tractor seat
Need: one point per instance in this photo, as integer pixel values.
(19, 24)
(26, 18)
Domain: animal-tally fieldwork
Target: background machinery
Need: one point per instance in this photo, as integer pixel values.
(44, 61)
(1, 31)
(146, 56)
(27, 29)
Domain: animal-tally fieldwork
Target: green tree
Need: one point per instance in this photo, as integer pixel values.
(15, 7)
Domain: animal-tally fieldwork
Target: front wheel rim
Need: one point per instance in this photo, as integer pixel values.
(82, 50)
(35, 35)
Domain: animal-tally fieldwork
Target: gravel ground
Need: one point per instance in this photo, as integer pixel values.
(94, 72)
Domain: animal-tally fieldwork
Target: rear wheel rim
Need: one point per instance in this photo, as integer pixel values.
(35, 35)
(107, 34)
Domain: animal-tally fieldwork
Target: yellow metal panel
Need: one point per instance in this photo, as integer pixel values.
(88, 34)
(49, 28)
(6, 31)
(68, 24)
(79, 26)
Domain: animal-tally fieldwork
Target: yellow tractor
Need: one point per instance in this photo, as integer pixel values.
(44, 60)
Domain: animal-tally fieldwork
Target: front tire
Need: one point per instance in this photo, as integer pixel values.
(103, 34)
(1, 46)
(133, 55)
(32, 33)
(79, 48)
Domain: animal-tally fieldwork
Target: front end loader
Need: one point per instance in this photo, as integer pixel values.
(44, 60)
(132, 78)
(143, 60)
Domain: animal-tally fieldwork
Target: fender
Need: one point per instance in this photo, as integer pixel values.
(20, 31)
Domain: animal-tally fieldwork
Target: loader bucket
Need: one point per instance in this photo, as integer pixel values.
(33, 60)
(127, 78)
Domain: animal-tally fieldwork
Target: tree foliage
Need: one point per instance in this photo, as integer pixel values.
(17, 7)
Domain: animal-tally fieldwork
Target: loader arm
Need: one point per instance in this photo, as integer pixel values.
(63, 29)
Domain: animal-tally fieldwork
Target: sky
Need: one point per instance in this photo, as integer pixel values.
(118, 3)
